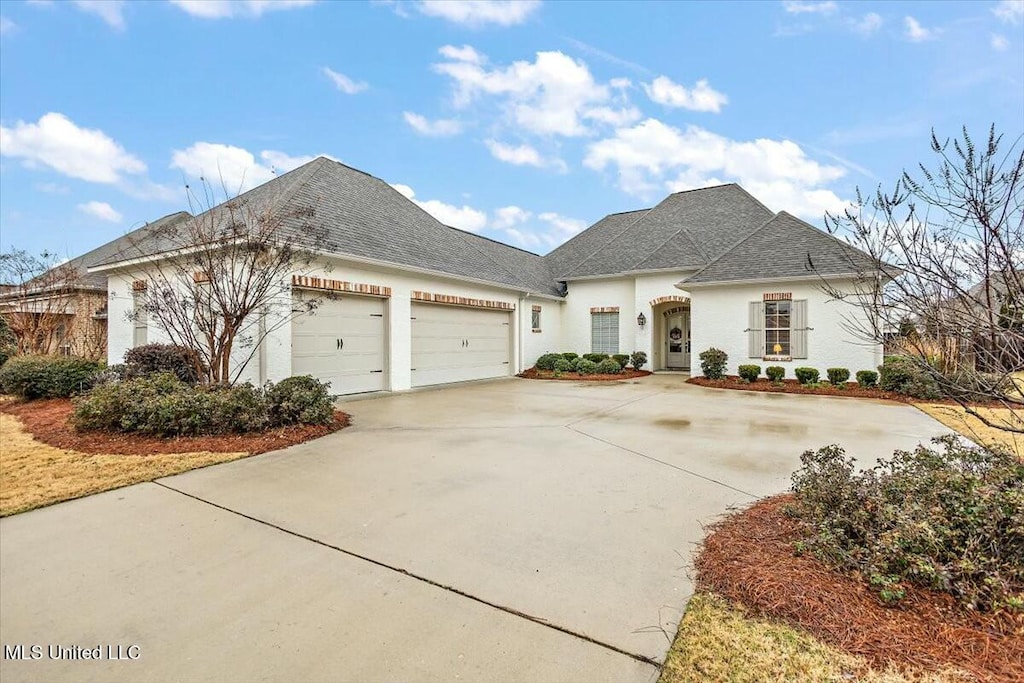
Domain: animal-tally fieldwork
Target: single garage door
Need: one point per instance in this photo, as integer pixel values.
(452, 344)
(342, 342)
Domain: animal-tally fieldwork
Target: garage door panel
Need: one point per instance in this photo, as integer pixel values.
(342, 342)
(452, 344)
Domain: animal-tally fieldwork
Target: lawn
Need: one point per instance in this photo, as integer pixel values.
(34, 474)
(957, 419)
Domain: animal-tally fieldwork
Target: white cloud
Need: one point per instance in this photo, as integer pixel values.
(343, 82)
(522, 155)
(553, 229)
(702, 97)
(867, 25)
(916, 33)
(461, 54)
(480, 12)
(233, 169)
(508, 216)
(101, 210)
(110, 11)
(653, 156)
(1009, 11)
(462, 217)
(226, 9)
(550, 96)
(438, 128)
(57, 142)
(805, 7)
(999, 42)
(7, 26)
(52, 188)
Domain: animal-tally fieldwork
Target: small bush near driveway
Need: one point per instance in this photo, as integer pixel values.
(775, 373)
(806, 375)
(750, 372)
(586, 367)
(547, 361)
(638, 359)
(712, 363)
(34, 377)
(948, 518)
(148, 359)
(609, 366)
(838, 377)
(867, 378)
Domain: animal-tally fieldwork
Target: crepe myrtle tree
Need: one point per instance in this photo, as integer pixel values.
(220, 280)
(944, 278)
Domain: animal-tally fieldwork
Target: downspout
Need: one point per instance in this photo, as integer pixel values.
(519, 325)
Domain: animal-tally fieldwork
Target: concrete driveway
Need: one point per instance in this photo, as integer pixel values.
(506, 531)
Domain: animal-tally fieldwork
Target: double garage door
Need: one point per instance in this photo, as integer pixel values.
(345, 343)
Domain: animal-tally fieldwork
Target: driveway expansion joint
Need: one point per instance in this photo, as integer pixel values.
(399, 570)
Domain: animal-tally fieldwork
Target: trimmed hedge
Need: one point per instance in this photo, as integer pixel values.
(182, 362)
(162, 405)
(750, 372)
(547, 361)
(586, 367)
(806, 375)
(621, 358)
(712, 363)
(838, 376)
(906, 376)
(570, 356)
(596, 357)
(563, 365)
(638, 359)
(34, 377)
(775, 373)
(609, 366)
(867, 378)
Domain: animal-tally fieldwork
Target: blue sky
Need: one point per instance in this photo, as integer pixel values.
(524, 121)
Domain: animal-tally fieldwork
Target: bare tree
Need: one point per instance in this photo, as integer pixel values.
(944, 284)
(49, 306)
(220, 281)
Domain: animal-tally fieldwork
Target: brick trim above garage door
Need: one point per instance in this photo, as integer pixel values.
(307, 282)
(452, 300)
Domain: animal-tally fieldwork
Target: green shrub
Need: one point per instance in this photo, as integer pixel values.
(638, 359)
(775, 373)
(183, 363)
(904, 375)
(949, 518)
(570, 356)
(547, 361)
(867, 378)
(837, 376)
(33, 377)
(586, 367)
(609, 366)
(596, 357)
(712, 363)
(563, 365)
(299, 400)
(621, 358)
(750, 372)
(806, 375)
(575, 362)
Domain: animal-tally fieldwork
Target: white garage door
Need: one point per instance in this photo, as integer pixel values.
(452, 344)
(342, 342)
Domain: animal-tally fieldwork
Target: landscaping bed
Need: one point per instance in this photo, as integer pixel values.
(749, 559)
(627, 373)
(48, 421)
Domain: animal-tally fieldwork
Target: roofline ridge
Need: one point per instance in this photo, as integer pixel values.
(491, 239)
(734, 246)
(613, 238)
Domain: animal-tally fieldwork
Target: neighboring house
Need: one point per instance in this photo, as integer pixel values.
(420, 303)
(64, 310)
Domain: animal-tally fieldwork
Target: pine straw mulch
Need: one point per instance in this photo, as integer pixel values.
(48, 421)
(628, 373)
(748, 558)
(792, 386)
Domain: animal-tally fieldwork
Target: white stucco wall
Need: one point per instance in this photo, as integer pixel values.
(720, 316)
(549, 339)
(586, 294)
(648, 288)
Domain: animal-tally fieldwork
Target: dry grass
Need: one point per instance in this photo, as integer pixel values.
(33, 474)
(957, 419)
(718, 641)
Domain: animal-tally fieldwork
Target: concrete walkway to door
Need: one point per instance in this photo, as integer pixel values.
(505, 531)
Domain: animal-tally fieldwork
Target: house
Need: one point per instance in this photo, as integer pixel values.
(418, 303)
(63, 311)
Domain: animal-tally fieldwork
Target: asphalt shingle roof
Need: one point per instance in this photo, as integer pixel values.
(784, 247)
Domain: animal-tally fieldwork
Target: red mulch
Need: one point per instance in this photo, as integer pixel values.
(48, 422)
(748, 557)
(792, 386)
(628, 373)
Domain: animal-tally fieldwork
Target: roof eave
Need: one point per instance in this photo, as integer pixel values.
(685, 285)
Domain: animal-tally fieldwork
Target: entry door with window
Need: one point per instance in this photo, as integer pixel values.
(677, 340)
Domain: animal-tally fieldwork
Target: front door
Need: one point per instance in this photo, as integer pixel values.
(677, 340)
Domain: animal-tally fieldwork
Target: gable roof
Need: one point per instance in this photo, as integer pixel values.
(366, 218)
(685, 230)
(784, 247)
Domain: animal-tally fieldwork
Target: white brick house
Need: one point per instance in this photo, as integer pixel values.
(417, 303)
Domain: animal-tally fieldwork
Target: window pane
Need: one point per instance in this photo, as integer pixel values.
(604, 332)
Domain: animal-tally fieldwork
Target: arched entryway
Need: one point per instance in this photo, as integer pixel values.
(671, 333)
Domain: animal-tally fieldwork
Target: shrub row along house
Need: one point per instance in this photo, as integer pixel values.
(389, 298)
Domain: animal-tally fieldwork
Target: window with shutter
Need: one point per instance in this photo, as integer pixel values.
(141, 320)
(604, 333)
(777, 328)
(800, 329)
(535, 319)
(755, 330)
